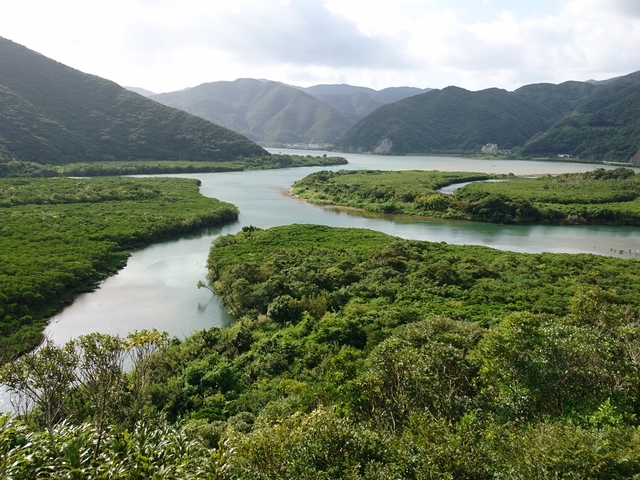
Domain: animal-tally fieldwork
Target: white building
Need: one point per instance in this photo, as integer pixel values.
(491, 148)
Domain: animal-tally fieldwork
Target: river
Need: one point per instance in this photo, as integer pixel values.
(157, 288)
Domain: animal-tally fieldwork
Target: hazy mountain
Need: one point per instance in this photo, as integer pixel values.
(51, 113)
(141, 91)
(359, 101)
(333, 89)
(602, 82)
(394, 94)
(262, 110)
(272, 112)
(576, 118)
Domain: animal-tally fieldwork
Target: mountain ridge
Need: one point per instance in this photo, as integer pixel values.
(572, 119)
(276, 113)
(55, 114)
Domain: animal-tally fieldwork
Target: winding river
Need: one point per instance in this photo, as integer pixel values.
(157, 288)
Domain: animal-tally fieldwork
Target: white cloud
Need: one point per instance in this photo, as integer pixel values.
(166, 45)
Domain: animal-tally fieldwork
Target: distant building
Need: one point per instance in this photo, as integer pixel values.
(490, 148)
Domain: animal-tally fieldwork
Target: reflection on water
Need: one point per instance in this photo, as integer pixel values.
(157, 288)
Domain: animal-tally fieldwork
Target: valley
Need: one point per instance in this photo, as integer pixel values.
(490, 333)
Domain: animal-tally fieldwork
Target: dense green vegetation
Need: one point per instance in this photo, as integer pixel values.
(605, 125)
(59, 237)
(592, 122)
(454, 120)
(360, 355)
(53, 114)
(408, 192)
(30, 169)
(86, 379)
(601, 196)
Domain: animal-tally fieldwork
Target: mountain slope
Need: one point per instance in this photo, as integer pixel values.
(262, 110)
(604, 125)
(360, 101)
(273, 112)
(583, 119)
(51, 113)
(451, 120)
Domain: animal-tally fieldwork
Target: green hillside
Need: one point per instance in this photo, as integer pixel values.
(53, 114)
(605, 125)
(275, 113)
(581, 119)
(452, 120)
(263, 111)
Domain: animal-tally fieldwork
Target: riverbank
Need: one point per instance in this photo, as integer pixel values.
(61, 237)
(607, 197)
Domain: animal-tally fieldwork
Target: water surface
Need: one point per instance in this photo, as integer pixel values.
(157, 288)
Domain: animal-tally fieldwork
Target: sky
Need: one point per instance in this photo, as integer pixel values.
(169, 45)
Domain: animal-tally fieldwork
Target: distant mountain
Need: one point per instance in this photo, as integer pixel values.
(604, 125)
(340, 89)
(141, 91)
(275, 113)
(573, 118)
(359, 101)
(51, 113)
(358, 104)
(394, 94)
(262, 110)
(602, 82)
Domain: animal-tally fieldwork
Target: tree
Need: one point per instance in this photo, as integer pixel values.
(141, 345)
(101, 376)
(44, 378)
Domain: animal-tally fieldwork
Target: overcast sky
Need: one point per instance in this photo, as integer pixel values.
(167, 45)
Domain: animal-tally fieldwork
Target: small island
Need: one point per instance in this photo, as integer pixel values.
(604, 197)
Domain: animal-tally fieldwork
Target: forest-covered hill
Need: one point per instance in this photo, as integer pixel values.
(605, 125)
(275, 113)
(580, 119)
(54, 114)
(263, 111)
(456, 120)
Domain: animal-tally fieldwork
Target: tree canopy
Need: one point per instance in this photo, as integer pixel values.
(61, 236)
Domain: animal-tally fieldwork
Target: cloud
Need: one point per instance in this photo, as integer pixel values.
(422, 43)
(586, 38)
(628, 8)
(296, 32)
(166, 44)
